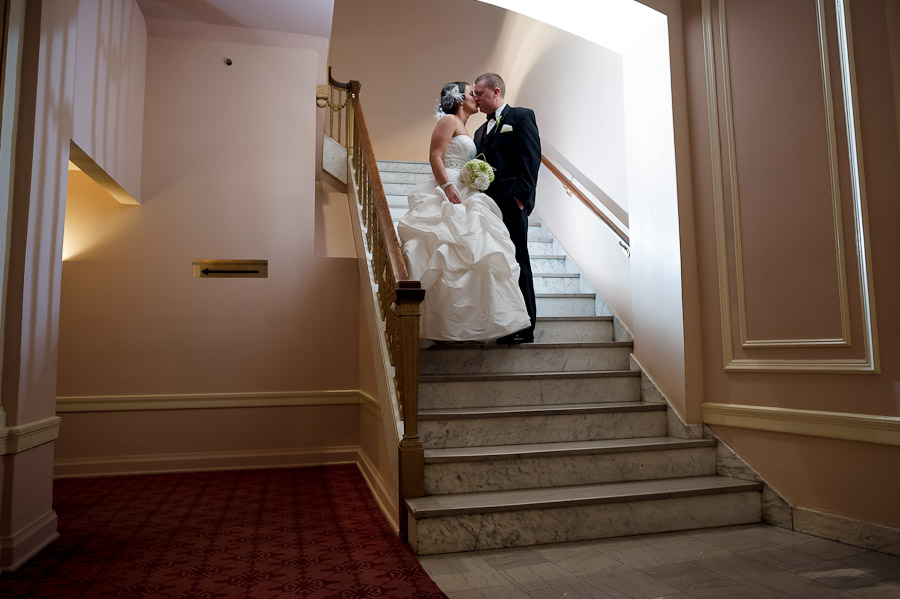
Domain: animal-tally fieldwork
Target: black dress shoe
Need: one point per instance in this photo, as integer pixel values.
(516, 338)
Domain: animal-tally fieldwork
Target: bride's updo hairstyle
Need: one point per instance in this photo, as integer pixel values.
(452, 95)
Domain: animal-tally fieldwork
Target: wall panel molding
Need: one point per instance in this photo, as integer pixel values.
(724, 156)
(194, 401)
(16, 439)
(865, 428)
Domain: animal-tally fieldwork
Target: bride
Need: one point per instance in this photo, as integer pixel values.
(455, 242)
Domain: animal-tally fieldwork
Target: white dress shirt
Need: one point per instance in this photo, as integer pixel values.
(493, 121)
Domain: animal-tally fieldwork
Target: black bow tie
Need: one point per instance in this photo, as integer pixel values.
(491, 116)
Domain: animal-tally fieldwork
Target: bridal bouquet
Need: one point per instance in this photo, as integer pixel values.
(477, 174)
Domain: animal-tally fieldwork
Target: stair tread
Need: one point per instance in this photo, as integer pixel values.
(537, 345)
(561, 448)
(574, 318)
(567, 295)
(513, 376)
(540, 410)
(557, 497)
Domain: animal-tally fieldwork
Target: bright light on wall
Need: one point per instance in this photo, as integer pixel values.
(613, 24)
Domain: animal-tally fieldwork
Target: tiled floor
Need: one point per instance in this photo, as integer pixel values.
(739, 562)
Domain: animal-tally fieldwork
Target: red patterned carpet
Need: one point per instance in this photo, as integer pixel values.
(314, 533)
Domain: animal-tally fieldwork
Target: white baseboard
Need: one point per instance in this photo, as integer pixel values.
(20, 547)
(204, 461)
(386, 501)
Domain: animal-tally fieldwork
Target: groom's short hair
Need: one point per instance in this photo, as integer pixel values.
(493, 81)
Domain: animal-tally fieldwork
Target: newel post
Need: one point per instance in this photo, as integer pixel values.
(411, 450)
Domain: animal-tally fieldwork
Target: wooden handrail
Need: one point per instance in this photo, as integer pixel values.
(585, 200)
(334, 83)
(382, 209)
(399, 296)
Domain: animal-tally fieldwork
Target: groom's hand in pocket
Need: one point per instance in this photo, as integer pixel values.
(519, 204)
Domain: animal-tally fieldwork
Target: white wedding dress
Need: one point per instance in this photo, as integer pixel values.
(464, 258)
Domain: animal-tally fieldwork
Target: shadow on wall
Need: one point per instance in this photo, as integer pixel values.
(403, 54)
(576, 90)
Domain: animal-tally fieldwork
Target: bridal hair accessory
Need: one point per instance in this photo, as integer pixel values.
(477, 174)
(451, 97)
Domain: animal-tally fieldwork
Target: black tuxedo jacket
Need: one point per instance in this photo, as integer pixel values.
(513, 147)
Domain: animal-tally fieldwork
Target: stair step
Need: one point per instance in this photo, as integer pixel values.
(531, 410)
(543, 247)
(514, 425)
(565, 449)
(398, 188)
(566, 304)
(552, 329)
(403, 177)
(445, 391)
(548, 263)
(557, 283)
(403, 166)
(541, 465)
(462, 358)
(531, 499)
(497, 519)
(398, 201)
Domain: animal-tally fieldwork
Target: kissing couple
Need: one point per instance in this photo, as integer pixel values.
(465, 236)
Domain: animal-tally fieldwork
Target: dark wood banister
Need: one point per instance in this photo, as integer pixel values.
(584, 199)
(399, 296)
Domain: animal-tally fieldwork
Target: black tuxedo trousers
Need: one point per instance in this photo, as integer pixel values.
(513, 148)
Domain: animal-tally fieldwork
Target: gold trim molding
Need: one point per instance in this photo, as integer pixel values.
(868, 364)
(865, 428)
(194, 401)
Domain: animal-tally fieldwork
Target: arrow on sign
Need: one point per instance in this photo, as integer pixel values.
(209, 271)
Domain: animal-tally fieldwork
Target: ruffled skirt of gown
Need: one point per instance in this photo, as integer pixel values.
(466, 262)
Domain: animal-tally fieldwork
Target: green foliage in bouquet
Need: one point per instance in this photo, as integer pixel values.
(477, 174)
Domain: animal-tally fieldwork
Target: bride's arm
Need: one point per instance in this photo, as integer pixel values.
(440, 139)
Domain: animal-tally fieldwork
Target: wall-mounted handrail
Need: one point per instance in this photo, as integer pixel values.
(399, 296)
(585, 200)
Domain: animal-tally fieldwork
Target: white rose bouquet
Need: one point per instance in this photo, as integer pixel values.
(477, 174)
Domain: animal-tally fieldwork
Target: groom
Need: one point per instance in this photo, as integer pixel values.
(510, 143)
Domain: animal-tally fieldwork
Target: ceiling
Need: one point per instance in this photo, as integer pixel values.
(307, 17)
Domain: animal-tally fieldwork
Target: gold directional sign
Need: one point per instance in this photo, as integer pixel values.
(230, 268)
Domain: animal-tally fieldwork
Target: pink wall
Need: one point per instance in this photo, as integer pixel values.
(110, 63)
(782, 169)
(228, 173)
(128, 442)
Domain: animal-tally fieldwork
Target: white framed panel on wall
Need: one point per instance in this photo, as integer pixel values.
(762, 136)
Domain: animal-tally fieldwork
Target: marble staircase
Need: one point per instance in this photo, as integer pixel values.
(552, 441)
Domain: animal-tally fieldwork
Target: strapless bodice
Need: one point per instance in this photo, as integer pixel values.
(460, 150)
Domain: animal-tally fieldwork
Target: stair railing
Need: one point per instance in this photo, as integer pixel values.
(399, 296)
(572, 189)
